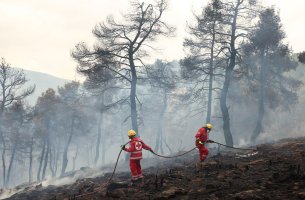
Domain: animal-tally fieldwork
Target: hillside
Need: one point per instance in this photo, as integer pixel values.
(42, 82)
(275, 171)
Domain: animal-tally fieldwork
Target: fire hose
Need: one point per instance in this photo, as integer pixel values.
(174, 156)
(234, 147)
(196, 147)
(105, 184)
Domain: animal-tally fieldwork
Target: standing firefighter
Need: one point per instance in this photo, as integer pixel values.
(201, 139)
(135, 149)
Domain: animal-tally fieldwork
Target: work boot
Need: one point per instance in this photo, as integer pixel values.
(141, 182)
(132, 183)
(202, 164)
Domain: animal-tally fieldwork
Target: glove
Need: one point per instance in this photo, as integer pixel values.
(123, 147)
(209, 141)
(201, 143)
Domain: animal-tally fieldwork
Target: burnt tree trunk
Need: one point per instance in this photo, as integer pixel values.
(224, 108)
(31, 161)
(65, 153)
(41, 159)
(74, 158)
(52, 162)
(103, 150)
(99, 136)
(261, 101)
(228, 75)
(3, 161)
(46, 160)
(210, 94)
(56, 160)
(159, 138)
(11, 164)
(133, 93)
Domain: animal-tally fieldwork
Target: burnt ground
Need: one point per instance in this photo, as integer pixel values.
(275, 171)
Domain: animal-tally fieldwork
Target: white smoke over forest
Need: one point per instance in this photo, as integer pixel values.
(250, 88)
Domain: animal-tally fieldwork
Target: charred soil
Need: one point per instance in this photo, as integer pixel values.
(274, 171)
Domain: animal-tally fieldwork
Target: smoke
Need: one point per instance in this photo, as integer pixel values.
(179, 126)
(54, 181)
(69, 179)
(6, 193)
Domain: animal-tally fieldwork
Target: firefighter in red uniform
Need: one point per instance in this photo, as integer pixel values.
(201, 139)
(135, 149)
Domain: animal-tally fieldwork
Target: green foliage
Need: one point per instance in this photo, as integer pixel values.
(267, 59)
(301, 57)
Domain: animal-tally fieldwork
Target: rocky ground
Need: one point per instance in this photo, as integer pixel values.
(275, 171)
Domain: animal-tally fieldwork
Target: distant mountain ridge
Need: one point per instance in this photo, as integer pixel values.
(42, 82)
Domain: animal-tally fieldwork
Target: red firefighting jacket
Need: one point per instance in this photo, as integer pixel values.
(201, 135)
(135, 148)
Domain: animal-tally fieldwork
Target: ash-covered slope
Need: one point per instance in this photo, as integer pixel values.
(275, 171)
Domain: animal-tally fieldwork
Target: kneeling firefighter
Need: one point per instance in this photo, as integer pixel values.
(135, 148)
(201, 139)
